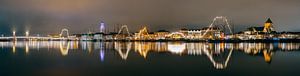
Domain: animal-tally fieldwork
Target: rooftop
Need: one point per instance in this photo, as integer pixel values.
(269, 21)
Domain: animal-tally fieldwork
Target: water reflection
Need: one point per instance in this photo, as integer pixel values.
(218, 54)
(64, 47)
(102, 52)
(176, 47)
(123, 48)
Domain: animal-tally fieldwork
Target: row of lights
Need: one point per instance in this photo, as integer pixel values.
(26, 33)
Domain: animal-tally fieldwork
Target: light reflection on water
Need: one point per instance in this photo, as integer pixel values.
(219, 54)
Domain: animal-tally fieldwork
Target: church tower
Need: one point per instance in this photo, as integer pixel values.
(268, 27)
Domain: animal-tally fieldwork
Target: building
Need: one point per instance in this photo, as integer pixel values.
(176, 36)
(87, 37)
(289, 35)
(199, 34)
(260, 32)
(54, 35)
(194, 34)
(204, 33)
(266, 29)
(184, 31)
(254, 30)
(211, 33)
(99, 36)
(161, 34)
(268, 26)
(110, 36)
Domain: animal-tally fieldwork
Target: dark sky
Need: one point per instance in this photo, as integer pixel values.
(49, 16)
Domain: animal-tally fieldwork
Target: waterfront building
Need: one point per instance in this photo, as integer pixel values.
(161, 34)
(54, 35)
(254, 30)
(210, 33)
(266, 29)
(87, 37)
(194, 34)
(184, 31)
(176, 36)
(198, 34)
(99, 36)
(289, 35)
(73, 37)
(253, 33)
(110, 36)
(261, 32)
(152, 36)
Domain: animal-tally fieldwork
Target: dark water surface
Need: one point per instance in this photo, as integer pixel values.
(61, 58)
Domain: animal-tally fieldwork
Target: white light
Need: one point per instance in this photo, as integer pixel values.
(14, 33)
(176, 48)
(219, 17)
(27, 33)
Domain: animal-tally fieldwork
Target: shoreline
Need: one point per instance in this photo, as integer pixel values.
(182, 40)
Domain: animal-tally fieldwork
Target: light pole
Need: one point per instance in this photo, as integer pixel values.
(14, 35)
(27, 35)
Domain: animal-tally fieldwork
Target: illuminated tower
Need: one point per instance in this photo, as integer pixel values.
(102, 27)
(268, 27)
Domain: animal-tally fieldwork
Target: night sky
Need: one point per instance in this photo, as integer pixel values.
(79, 16)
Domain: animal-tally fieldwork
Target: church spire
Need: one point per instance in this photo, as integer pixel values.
(268, 27)
(269, 21)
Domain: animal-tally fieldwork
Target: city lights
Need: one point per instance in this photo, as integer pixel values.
(218, 31)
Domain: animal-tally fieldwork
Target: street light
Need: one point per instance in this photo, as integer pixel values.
(14, 33)
(27, 33)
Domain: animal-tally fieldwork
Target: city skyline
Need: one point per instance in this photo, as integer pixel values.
(80, 16)
(149, 37)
